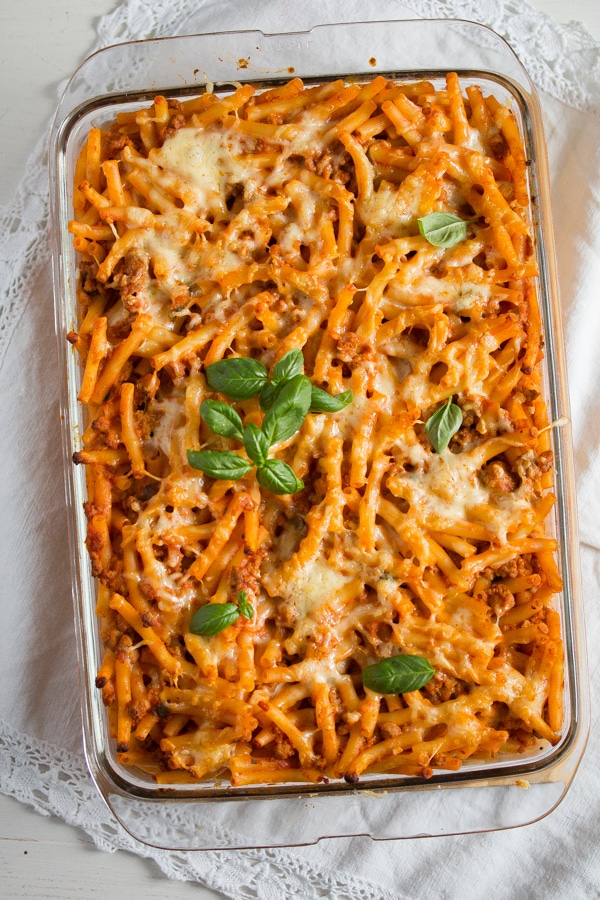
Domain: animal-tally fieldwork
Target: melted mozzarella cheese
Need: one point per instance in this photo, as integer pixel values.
(382, 211)
(449, 490)
(205, 161)
(458, 298)
(170, 418)
(313, 586)
(386, 384)
(349, 418)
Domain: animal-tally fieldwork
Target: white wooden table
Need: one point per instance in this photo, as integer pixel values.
(41, 43)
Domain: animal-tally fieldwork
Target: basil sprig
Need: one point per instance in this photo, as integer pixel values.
(222, 419)
(240, 377)
(282, 421)
(286, 398)
(398, 674)
(256, 444)
(278, 478)
(443, 229)
(212, 618)
(321, 401)
(444, 424)
(244, 605)
(288, 367)
(289, 410)
(224, 466)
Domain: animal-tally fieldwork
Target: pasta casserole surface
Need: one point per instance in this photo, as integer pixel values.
(317, 454)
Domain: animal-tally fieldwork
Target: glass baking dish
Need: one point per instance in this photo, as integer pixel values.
(500, 794)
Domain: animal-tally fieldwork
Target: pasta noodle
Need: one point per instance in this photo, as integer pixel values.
(250, 225)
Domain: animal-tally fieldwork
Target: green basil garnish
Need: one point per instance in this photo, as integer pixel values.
(222, 419)
(288, 366)
(239, 377)
(321, 401)
(221, 465)
(289, 410)
(286, 398)
(212, 618)
(443, 229)
(245, 607)
(255, 443)
(278, 478)
(268, 394)
(398, 674)
(444, 424)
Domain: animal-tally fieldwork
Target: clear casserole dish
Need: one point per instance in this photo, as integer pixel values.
(203, 814)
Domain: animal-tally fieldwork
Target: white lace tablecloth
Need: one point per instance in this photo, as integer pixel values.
(41, 761)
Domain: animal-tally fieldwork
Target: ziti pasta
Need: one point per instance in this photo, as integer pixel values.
(318, 459)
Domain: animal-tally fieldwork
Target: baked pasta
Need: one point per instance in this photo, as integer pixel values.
(318, 458)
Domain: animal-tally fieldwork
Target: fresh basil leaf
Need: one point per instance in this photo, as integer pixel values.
(222, 419)
(245, 607)
(212, 618)
(288, 411)
(398, 674)
(239, 377)
(256, 444)
(269, 394)
(288, 366)
(225, 466)
(444, 424)
(443, 229)
(321, 401)
(278, 478)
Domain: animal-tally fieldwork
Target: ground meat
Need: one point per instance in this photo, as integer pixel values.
(526, 396)
(390, 730)
(498, 146)
(87, 277)
(109, 694)
(148, 386)
(132, 279)
(514, 568)
(115, 141)
(497, 476)
(348, 346)
(246, 576)
(178, 121)
(467, 435)
(465, 438)
(148, 590)
(531, 468)
(286, 614)
(95, 545)
(137, 709)
(443, 687)
(325, 165)
(110, 437)
(499, 598)
(150, 620)
(283, 747)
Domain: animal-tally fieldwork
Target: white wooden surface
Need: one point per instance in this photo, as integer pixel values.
(41, 43)
(42, 857)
